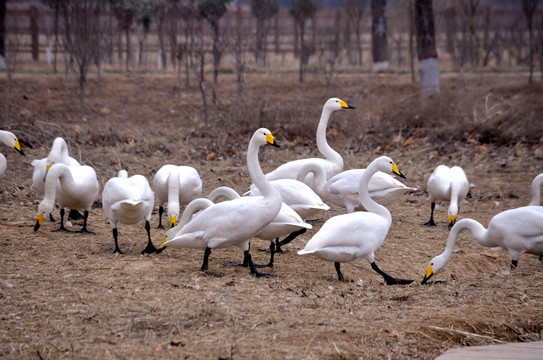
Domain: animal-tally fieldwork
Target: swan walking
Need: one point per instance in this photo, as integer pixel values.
(332, 163)
(77, 189)
(128, 200)
(450, 184)
(344, 238)
(9, 139)
(287, 222)
(233, 222)
(517, 230)
(175, 185)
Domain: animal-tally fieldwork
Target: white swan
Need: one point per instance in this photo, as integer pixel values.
(342, 189)
(78, 189)
(128, 200)
(9, 139)
(57, 155)
(517, 230)
(536, 190)
(344, 238)
(287, 222)
(333, 162)
(296, 194)
(450, 184)
(234, 222)
(176, 185)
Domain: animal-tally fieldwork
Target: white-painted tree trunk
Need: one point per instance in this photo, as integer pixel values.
(429, 77)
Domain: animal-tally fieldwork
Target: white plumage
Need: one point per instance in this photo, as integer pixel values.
(177, 186)
(332, 163)
(536, 190)
(346, 237)
(447, 184)
(78, 189)
(9, 139)
(128, 200)
(517, 230)
(234, 222)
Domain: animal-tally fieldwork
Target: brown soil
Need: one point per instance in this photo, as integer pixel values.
(67, 296)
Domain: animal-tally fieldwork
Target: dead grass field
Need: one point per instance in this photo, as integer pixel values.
(66, 296)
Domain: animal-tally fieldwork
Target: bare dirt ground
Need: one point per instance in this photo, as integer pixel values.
(67, 296)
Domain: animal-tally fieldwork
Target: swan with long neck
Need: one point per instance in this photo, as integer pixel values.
(233, 222)
(343, 189)
(517, 230)
(175, 185)
(536, 190)
(78, 189)
(344, 238)
(447, 184)
(332, 163)
(9, 139)
(287, 222)
(128, 200)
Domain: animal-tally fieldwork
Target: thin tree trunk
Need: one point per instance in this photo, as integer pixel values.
(379, 35)
(426, 48)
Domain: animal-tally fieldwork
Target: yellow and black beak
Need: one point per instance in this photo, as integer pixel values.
(39, 221)
(452, 220)
(397, 171)
(173, 221)
(428, 275)
(162, 247)
(271, 140)
(344, 105)
(18, 148)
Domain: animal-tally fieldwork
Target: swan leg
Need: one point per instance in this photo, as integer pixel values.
(61, 228)
(272, 253)
(160, 212)
(75, 215)
(338, 270)
(150, 248)
(252, 267)
(431, 221)
(514, 264)
(117, 249)
(51, 218)
(206, 263)
(288, 239)
(389, 279)
(540, 257)
(84, 228)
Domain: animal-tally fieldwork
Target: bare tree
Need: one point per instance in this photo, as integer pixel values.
(3, 34)
(10, 50)
(302, 11)
(529, 6)
(212, 11)
(469, 13)
(263, 11)
(328, 51)
(426, 48)
(83, 36)
(240, 46)
(127, 11)
(379, 34)
(354, 10)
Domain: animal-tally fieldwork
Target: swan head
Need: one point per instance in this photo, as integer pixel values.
(334, 104)
(264, 136)
(44, 208)
(453, 214)
(11, 140)
(387, 165)
(436, 265)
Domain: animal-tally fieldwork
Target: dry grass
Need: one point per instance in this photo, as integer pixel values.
(67, 296)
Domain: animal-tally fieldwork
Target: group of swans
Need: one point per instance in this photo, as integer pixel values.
(518, 230)
(10, 140)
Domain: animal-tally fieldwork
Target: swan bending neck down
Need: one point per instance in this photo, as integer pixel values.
(234, 222)
(346, 237)
(517, 230)
(128, 200)
(536, 190)
(78, 189)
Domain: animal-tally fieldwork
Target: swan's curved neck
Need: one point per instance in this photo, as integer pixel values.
(368, 203)
(59, 172)
(256, 173)
(455, 190)
(322, 144)
(536, 190)
(319, 176)
(60, 149)
(477, 230)
(173, 185)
